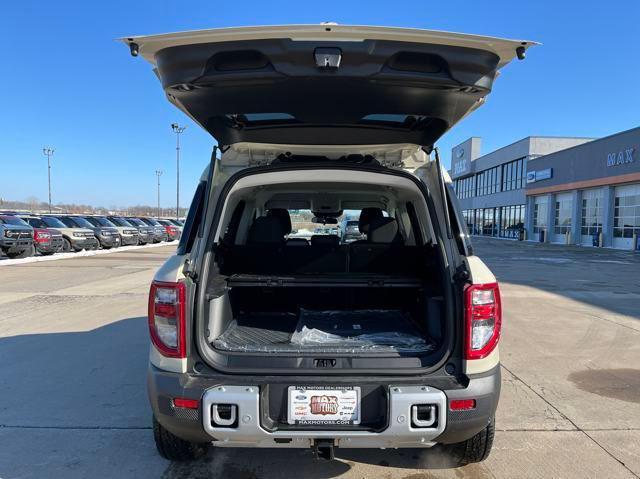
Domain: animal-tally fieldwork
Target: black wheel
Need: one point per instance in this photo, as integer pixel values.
(173, 448)
(66, 246)
(477, 448)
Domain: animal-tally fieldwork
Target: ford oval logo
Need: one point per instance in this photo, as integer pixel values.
(301, 398)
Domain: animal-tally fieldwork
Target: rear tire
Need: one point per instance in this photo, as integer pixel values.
(173, 448)
(477, 448)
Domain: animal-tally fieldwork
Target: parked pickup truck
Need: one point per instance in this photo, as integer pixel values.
(16, 237)
(262, 340)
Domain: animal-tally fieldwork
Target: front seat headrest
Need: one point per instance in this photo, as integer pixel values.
(384, 230)
(367, 215)
(266, 229)
(325, 240)
(284, 217)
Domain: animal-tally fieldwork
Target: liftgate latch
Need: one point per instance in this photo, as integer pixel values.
(327, 57)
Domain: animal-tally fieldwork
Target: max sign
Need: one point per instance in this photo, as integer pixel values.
(620, 158)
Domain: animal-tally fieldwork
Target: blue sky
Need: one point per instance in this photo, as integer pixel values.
(65, 82)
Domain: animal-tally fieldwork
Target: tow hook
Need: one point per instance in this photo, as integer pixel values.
(324, 449)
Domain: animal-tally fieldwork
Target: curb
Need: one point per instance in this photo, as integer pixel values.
(79, 254)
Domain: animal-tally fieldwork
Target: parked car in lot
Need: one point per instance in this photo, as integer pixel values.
(103, 229)
(147, 233)
(159, 231)
(173, 231)
(129, 234)
(16, 237)
(257, 341)
(76, 236)
(46, 240)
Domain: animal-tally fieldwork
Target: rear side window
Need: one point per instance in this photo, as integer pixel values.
(192, 222)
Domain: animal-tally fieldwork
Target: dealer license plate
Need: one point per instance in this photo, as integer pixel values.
(324, 405)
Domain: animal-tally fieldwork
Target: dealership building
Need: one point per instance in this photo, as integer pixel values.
(562, 190)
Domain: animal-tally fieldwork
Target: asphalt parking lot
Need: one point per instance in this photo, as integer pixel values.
(73, 344)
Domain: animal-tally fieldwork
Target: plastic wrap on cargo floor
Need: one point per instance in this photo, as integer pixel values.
(359, 330)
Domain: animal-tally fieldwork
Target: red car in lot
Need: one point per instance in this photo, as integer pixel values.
(46, 240)
(173, 231)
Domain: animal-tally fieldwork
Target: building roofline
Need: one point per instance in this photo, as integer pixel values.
(593, 141)
(536, 136)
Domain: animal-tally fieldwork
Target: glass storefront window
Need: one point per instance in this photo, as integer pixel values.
(591, 222)
(511, 221)
(626, 213)
(540, 211)
(563, 210)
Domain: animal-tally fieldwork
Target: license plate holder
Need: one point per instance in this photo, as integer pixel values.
(323, 405)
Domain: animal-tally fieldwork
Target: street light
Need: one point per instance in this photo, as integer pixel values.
(48, 152)
(159, 174)
(177, 130)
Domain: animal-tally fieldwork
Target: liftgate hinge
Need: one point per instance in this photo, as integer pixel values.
(461, 275)
(188, 271)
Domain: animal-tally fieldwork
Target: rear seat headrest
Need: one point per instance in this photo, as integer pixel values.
(367, 215)
(266, 229)
(325, 240)
(284, 217)
(384, 230)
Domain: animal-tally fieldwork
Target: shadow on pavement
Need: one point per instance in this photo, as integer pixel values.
(600, 277)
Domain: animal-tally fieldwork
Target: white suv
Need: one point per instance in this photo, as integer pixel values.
(259, 339)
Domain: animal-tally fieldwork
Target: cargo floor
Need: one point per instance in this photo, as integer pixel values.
(376, 331)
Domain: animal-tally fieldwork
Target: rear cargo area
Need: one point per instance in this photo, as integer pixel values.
(341, 320)
(291, 286)
(386, 301)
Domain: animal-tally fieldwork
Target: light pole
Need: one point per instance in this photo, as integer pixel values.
(48, 152)
(159, 174)
(177, 130)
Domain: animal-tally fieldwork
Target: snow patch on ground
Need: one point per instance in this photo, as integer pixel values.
(79, 254)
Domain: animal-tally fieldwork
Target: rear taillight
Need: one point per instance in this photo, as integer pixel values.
(167, 318)
(483, 317)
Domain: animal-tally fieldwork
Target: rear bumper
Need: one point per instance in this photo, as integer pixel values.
(195, 425)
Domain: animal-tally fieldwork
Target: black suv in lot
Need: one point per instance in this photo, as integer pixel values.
(16, 237)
